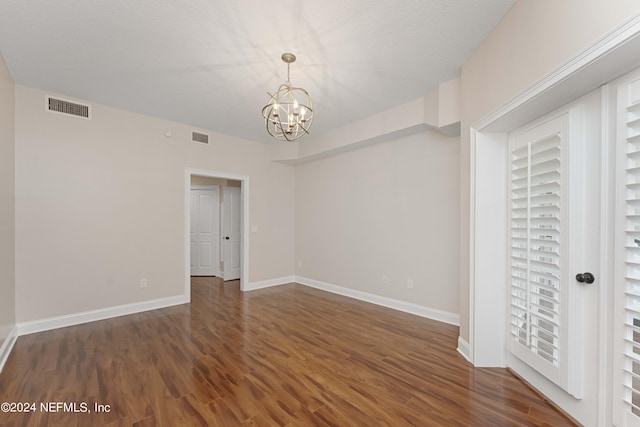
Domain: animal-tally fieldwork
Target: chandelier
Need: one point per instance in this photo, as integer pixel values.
(289, 112)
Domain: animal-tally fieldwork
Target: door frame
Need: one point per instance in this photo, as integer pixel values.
(602, 62)
(244, 240)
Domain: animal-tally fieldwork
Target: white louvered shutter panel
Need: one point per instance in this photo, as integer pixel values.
(629, 144)
(537, 237)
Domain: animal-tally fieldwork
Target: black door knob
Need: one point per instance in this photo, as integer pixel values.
(585, 277)
(226, 238)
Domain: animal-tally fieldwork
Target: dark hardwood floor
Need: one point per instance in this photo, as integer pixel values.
(283, 356)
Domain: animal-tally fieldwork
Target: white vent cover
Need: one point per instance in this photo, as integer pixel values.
(62, 106)
(199, 137)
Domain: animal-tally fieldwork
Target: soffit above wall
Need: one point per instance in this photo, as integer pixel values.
(438, 110)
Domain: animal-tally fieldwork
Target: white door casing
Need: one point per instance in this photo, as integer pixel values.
(231, 232)
(205, 230)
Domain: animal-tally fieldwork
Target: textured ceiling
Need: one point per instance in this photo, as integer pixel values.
(209, 63)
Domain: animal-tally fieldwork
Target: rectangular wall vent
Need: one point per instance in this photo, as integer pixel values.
(62, 106)
(199, 137)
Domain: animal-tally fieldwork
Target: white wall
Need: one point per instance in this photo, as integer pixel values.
(100, 204)
(7, 205)
(534, 39)
(386, 209)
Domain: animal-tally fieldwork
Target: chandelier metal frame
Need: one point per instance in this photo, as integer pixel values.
(289, 113)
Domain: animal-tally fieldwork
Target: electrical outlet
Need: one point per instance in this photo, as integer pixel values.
(143, 282)
(410, 283)
(385, 280)
(299, 264)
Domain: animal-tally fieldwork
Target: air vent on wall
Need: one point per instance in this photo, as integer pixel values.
(199, 137)
(62, 106)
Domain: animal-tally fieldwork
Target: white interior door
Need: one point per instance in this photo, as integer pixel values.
(554, 198)
(205, 230)
(231, 232)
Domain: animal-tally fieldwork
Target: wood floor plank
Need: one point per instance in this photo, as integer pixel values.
(282, 356)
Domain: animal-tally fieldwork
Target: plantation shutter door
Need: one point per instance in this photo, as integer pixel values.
(538, 257)
(629, 145)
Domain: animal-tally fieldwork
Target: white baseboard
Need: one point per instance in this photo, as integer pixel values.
(463, 349)
(41, 325)
(7, 346)
(407, 307)
(252, 286)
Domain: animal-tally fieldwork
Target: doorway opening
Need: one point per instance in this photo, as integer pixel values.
(218, 203)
